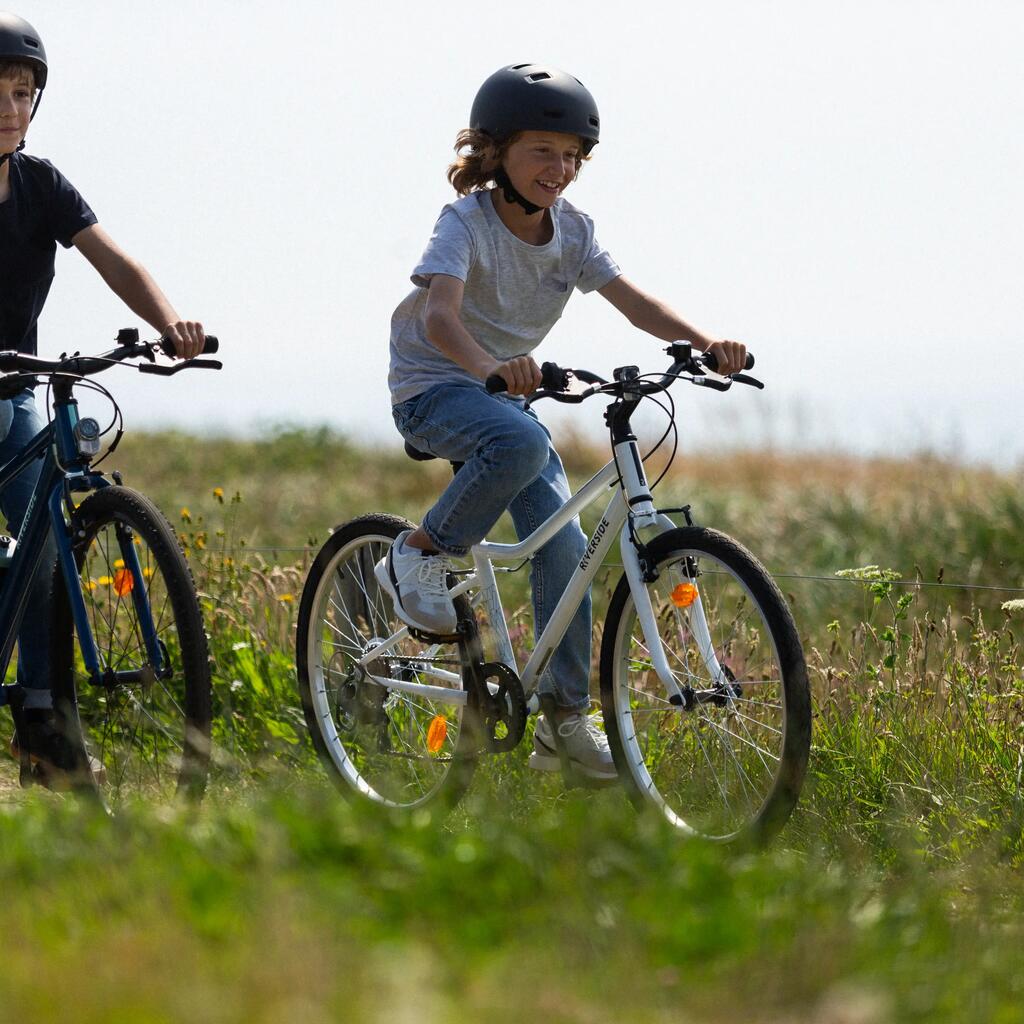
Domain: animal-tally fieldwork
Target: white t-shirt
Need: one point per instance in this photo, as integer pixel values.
(514, 292)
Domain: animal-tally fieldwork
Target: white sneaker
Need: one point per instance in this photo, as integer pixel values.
(585, 743)
(417, 583)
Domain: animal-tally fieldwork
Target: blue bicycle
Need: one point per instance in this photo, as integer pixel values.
(132, 701)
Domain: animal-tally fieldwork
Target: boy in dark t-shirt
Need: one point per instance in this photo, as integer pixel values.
(39, 208)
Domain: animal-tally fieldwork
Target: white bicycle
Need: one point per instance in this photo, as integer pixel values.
(703, 682)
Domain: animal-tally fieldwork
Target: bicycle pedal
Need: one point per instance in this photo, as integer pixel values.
(434, 638)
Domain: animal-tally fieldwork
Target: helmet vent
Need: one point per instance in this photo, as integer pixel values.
(538, 76)
(519, 67)
(29, 41)
(594, 122)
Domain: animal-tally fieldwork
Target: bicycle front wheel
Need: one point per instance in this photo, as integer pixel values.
(380, 740)
(728, 763)
(144, 719)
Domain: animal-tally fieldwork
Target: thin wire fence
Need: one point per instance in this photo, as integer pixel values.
(852, 580)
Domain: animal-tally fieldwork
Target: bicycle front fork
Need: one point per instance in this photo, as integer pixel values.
(696, 621)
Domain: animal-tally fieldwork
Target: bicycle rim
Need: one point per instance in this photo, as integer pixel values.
(391, 747)
(730, 764)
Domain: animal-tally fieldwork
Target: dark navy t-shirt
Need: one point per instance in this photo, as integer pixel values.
(42, 209)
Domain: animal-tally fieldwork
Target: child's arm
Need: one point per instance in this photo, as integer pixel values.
(448, 334)
(131, 283)
(653, 316)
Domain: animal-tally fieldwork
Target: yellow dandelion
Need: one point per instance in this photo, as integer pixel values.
(218, 493)
(105, 581)
(286, 598)
(147, 573)
(186, 515)
(119, 563)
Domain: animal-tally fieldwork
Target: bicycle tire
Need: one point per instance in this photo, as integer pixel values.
(146, 730)
(729, 768)
(375, 742)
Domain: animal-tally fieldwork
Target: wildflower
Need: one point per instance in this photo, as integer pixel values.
(869, 573)
(1013, 606)
(218, 493)
(286, 598)
(124, 582)
(186, 516)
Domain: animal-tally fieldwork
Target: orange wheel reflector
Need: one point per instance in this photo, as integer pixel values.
(437, 733)
(124, 582)
(684, 595)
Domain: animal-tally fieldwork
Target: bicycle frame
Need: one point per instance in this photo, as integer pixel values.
(64, 471)
(630, 494)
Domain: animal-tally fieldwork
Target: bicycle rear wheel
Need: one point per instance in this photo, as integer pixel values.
(729, 764)
(387, 746)
(144, 723)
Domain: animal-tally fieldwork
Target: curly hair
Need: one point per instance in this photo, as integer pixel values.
(478, 156)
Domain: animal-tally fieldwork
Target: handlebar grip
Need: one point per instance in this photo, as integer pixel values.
(710, 360)
(211, 346)
(552, 378)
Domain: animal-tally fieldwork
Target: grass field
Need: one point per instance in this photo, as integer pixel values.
(895, 894)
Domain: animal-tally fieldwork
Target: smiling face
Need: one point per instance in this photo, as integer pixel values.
(16, 95)
(541, 165)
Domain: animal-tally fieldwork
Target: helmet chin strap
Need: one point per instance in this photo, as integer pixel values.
(4, 157)
(504, 182)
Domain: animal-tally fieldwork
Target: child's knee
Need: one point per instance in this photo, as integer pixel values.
(521, 455)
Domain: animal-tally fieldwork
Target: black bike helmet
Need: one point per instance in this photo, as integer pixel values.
(535, 97)
(20, 41)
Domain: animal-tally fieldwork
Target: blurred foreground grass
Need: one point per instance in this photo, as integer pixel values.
(288, 905)
(895, 894)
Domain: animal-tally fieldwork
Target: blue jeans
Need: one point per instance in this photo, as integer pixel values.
(19, 423)
(508, 463)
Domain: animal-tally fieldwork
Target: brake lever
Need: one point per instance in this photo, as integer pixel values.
(715, 385)
(743, 378)
(170, 371)
(558, 396)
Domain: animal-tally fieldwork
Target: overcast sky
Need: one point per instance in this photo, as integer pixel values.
(836, 184)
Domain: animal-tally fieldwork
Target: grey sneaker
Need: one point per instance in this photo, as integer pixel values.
(585, 743)
(418, 585)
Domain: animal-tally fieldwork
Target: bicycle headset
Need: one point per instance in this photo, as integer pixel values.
(533, 97)
(20, 42)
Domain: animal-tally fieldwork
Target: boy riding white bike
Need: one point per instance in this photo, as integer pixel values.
(496, 274)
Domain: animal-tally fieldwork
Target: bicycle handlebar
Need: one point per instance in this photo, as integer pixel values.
(555, 379)
(129, 347)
